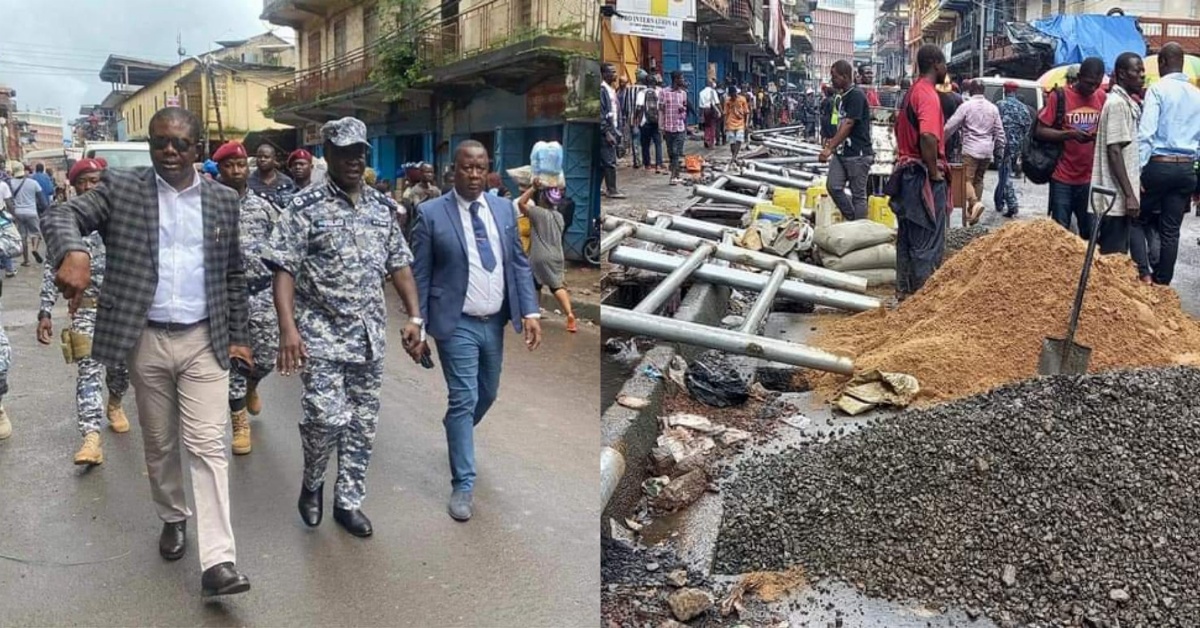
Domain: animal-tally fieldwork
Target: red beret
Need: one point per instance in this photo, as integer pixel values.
(82, 167)
(1010, 86)
(229, 149)
(299, 153)
(103, 162)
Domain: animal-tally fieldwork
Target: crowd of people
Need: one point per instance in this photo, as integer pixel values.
(193, 289)
(1139, 141)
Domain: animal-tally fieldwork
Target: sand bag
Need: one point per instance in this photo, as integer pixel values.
(878, 256)
(876, 276)
(844, 237)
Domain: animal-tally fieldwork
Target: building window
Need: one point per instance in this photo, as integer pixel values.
(370, 25)
(314, 49)
(339, 37)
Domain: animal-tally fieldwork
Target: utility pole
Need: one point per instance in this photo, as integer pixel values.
(982, 35)
(212, 84)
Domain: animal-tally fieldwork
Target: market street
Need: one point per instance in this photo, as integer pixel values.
(79, 545)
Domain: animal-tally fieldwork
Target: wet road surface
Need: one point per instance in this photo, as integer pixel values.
(79, 547)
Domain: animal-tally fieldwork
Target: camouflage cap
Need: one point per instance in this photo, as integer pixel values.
(345, 132)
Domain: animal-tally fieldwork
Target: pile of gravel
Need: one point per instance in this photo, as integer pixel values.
(959, 237)
(1056, 501)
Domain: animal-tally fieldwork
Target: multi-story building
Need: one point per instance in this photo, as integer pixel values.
(125, 76)
(40, 130)
(10, 139)
(888, 40)
(228, 94)
(426, 74)
(832, 35)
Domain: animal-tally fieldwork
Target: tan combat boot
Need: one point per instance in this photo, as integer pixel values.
(241, 432)
(117, 421)
(5, 424)
(89, 452)
(253, 401)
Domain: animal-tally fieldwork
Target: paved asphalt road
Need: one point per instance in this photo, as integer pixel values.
(80, 548)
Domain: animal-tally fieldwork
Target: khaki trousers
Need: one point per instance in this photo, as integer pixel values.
(974, 170)
(182, 389)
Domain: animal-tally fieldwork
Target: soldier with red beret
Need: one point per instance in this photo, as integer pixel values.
(77, 340)
(256, 222)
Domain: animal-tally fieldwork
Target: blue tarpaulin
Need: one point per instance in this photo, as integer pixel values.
(1083, 36)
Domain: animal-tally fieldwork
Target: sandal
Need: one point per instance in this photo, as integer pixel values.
(571, 327)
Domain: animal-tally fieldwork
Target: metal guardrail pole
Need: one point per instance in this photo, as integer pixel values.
(704, 191)
(785, 172)
(777, 131)
(778, 181)
(800, 270)
(614, 238)
(762, 306)
(746, 280)
(720, 182)
(803, 159)
(793, 147)
(683, 224)
(746, 183)
(612, 468)
(729, 341)
(672, 282)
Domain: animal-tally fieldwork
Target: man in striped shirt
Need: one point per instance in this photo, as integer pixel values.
(674, 107)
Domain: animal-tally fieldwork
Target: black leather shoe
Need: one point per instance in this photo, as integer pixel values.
(311, 505)
(172, 544)
(223, 579)
(354, 521)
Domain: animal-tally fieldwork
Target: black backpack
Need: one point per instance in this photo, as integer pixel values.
(1038, 158)
(651, 105)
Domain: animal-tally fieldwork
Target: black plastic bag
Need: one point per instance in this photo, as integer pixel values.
(712, 379)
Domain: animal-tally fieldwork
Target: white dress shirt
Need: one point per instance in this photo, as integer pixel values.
(709, 98)
(180, 295)
(485, 290)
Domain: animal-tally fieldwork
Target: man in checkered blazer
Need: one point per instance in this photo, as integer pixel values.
(174, 307)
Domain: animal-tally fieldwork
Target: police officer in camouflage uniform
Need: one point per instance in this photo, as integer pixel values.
(334, 246)
(1016, 118)
(256, 221)
(77, 341)
(10, 246)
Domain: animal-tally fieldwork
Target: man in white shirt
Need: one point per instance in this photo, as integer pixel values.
(6, 198)
(175, 309)
(710, 112)
(472, 277)
(1115, 164)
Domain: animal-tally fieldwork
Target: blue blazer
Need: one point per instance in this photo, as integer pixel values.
(441, 268)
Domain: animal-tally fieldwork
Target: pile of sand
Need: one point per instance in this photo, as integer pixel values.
(980, 320)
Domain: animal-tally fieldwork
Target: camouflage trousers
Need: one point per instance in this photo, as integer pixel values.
(341, 411)
(264, 344)
(5, 362)
(89, 393)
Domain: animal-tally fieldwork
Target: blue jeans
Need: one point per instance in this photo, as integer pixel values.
(471, 359)
(8, 265)
(1005, 197)
(1067, 200)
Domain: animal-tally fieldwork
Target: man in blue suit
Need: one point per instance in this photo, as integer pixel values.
(472, 277)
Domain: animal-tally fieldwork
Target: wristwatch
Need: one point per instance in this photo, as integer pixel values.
(42, 314)
(416, 320)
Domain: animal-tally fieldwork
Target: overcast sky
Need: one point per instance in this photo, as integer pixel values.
(51, 51)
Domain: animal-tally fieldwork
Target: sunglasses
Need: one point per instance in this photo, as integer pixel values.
(180, 144)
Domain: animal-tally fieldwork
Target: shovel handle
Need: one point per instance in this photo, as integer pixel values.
(1073, 324)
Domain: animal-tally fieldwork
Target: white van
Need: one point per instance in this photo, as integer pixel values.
(120, 154)
(1028, 92)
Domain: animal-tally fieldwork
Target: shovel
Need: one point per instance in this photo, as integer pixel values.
(1065, 355)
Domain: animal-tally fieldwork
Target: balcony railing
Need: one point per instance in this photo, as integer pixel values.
(501, 23)
(344, 74)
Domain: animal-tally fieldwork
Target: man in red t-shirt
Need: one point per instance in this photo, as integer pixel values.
(917, 186)
(1072, 176)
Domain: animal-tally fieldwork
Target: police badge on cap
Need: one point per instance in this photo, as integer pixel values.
(345, 132)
